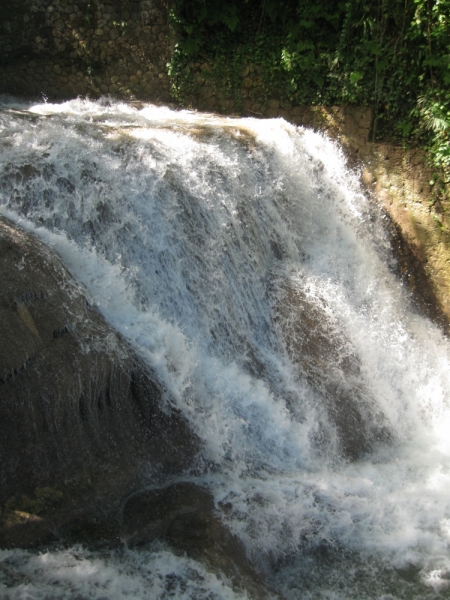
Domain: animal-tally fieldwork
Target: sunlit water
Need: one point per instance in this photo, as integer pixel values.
(183, 227)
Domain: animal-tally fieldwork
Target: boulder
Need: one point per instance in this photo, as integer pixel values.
(81, 417)
(84, 430)
(184, 515)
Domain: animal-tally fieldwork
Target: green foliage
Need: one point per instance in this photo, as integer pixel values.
(392, 55)
(434, 111)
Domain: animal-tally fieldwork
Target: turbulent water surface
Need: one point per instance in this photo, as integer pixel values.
(242, 261)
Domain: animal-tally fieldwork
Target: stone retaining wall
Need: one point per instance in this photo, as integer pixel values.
(65, 48)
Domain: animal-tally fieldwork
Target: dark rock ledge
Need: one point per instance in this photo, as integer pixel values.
(83, 430)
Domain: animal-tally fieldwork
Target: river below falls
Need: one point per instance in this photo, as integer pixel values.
(243, 262)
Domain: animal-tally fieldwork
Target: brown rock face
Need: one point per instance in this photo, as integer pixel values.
(318, 346)
(80, 415)
(184, 516)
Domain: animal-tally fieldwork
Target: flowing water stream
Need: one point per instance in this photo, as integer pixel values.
(243, 262)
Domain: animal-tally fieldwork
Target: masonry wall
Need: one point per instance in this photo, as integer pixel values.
(65, 48)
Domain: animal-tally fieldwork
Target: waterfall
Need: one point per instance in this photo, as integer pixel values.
(244, 264)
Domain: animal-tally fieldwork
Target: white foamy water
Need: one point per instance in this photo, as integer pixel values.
(76, 573)
(184, 228)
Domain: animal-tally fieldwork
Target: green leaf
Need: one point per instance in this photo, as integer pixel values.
(355, 76)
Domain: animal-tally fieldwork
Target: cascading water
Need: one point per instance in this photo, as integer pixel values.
(241, 260)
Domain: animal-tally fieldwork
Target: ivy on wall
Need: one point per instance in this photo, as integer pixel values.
(392, 55)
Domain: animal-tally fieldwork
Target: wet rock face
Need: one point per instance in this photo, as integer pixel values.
(82, 429)
(184, 515)
(80, 415)
(324, 355)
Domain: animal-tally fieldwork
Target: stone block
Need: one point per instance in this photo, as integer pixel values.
(271, 113)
